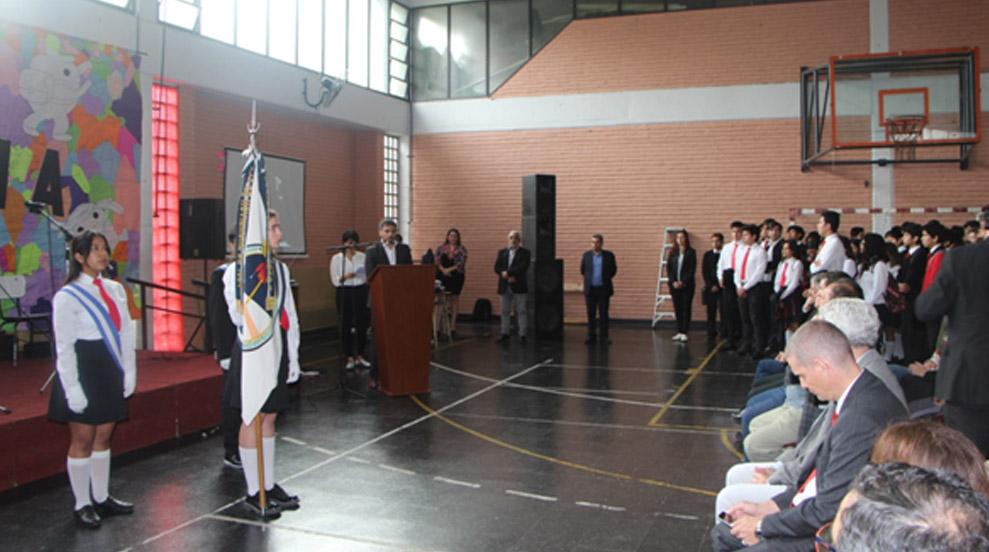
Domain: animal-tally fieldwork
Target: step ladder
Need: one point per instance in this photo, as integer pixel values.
(664, 300)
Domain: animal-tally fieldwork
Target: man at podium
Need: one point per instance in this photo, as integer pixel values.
(388, 251)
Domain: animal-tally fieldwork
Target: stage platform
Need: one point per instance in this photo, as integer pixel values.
(177, 394)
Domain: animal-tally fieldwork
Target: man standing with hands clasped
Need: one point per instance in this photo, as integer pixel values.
(598, 267)
(511, 267)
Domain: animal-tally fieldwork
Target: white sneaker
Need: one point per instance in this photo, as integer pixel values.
(676, 337)
(350, 365)
(363, 362)
(683, 338)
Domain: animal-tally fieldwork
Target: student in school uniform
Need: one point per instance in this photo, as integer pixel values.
(348, 276)
(97, 372)
(287, 343)
(786, 289)
(727, 263)
(711, 294)
(831, 255)
(222, 336)
(773, 245)
(681, 266)
(753, 293)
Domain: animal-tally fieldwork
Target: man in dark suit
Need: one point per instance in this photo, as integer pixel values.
(909, 281)
(961, 292)
(820, 355)
(221, 336)
(598, 267)
(711, 294)
(388, 251)
(511, 266)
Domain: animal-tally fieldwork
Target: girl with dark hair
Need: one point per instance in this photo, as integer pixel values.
(97, 372)
(850, 265)
(874, 275)
(451, 265)
(787, 286)
(347, 275)
(680, 268)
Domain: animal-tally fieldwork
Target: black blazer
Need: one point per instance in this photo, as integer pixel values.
(709, 270)
(687, 273)
(609, 267)
(961, 292)
(519, 268)
(912, 272)
(375, 255)
(777, 255)
(220, 331)
(869, 407)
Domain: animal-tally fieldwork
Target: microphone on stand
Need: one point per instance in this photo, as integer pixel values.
(36, 206)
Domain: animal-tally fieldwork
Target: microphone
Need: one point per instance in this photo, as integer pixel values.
(35, 206)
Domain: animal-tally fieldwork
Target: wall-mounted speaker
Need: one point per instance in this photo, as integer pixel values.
(201, 231)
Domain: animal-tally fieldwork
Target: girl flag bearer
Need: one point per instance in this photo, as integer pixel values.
(96, 367)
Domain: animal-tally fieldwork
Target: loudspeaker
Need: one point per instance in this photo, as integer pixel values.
(539, 216)
(201, 232)
(548, 292)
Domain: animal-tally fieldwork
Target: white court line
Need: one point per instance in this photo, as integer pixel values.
(361, 446)
(546, 421)
(357, 460)
(294, 441)
(582, 395)
(681, 516)
(327, 452)
(396, 469)
(646, 370)
(544, 498)
(608, 391)
(597, 506)
(457, 482)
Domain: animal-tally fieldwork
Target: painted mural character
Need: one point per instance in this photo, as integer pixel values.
(52, 86)
(95, 217)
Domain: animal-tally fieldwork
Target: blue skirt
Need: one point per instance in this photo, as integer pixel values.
(102, 382)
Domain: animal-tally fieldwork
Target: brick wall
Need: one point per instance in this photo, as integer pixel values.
(957, 23)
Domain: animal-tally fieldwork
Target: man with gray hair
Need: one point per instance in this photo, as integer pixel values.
(896, 507)
(821, 356)
(511, 266)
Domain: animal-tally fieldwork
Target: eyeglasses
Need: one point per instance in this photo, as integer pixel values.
(823, 539)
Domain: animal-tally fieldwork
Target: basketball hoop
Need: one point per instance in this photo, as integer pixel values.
(904, 131)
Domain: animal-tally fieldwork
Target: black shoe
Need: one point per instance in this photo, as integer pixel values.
(87, 518)
(453, 334)
(503, 338)
(590, 339)
(284, 500)
(113, 507)
(522, 339)
(232, 461)
(272, 512)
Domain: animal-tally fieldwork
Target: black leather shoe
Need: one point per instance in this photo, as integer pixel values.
(503, 338)
(113, 507)
(590, 339)
(284, 500)
(87, 518)
(272, 512)
(232, 461)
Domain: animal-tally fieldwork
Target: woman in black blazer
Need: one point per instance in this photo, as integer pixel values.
(680, 268)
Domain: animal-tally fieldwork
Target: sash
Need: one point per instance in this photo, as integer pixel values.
(101, 317)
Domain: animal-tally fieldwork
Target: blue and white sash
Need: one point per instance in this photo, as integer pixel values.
(101, 317)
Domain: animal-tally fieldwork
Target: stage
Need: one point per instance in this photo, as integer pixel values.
(177, 394)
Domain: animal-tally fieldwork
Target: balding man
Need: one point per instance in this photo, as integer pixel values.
(820, 355)
(512, 266)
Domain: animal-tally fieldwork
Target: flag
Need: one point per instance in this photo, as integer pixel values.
(255, 293)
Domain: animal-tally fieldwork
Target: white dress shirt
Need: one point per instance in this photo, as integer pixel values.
(511, 255)
(753, 257)
(293, 333)
(72, 322)
(340, 265)
(873, 282)
(830, 257)
(724, 261)
(793, 269)
(390, 251)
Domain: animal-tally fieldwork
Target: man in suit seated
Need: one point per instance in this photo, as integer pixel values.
(820, 355)
(512, 266)
(598, 267)
(388, 251)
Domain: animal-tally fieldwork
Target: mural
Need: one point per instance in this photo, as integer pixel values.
(70, 137)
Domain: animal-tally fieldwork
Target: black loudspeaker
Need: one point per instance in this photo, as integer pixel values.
(548, 293)
(539, 216)
(201, 229)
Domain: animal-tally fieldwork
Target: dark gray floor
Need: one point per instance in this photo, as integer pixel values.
(550, 446)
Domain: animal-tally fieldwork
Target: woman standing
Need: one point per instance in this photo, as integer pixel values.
(451, 264)
(680, 268)
(786, 287)
(347, 275)
(96, 373)
(874, 276)
(287, 350)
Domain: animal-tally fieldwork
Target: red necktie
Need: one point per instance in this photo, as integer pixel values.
(783, 275)
(110, 304)
(734, 251)
(745, 261)
(813, 473)
(284, 320)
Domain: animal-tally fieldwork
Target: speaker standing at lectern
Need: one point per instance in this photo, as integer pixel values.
(388, 251)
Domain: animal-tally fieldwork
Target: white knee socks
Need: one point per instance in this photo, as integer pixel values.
(79, 475)
(100, 478)
(269, 462)
(249, 459)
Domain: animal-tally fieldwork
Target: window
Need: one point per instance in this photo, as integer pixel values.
(181, 13)
(391, 177)
(311, 34)
(509, 39)
(398, 68)
(252, 28)
(357, 41)
(166, 266)
(378, 62)
(468, 50)
(335, 38)
(281, 30)
(549, 17)
(216, 20)
(126, 4)
(429, 60)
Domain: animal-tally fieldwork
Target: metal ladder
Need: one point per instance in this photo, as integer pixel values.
(669, 237)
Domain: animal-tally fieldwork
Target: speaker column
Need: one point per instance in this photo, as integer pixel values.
(201, 231)
(545, 300)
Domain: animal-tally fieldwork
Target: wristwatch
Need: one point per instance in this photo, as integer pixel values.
(758, 529)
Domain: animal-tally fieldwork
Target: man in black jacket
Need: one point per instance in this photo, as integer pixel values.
(222, 334)
(820, 355)
(598, 267)
(711, 294)
(961, 292)
(909, 281)
(511, 266)
(388, 251)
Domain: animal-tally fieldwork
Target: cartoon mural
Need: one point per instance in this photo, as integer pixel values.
(70, 136)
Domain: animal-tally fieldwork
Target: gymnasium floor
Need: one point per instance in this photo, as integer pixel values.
(551, 446)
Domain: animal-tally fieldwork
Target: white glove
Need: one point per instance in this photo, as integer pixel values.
(130, 382)
(76, 399)
(225, 364)
(293, 372)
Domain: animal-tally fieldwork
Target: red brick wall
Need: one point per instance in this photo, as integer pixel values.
(913, 25)
(745, 45)
(340, 167)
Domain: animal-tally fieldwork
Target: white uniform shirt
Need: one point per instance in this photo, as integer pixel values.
(754, 266)
(390, 252)
(793, 270)
(873, 282)
(724, 261)
(72, 322)
(830, 257)
(340, 265)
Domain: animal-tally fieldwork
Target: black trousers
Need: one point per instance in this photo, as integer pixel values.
(723, 541)
(354, 318)
(754, 308)
(712, 304)
(229, 424)
(914, 332)
(973, 421)
(730, 315)
(597, 301)
(683, 300)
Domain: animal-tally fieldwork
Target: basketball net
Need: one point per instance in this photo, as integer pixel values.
(904, 132)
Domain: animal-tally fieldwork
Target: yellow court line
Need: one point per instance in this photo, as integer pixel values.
(558, 461)
(729, 445)
(683, 387)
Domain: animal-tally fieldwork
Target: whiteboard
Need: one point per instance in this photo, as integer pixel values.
(286, 181)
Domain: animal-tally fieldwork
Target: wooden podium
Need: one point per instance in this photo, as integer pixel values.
(402, 310)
